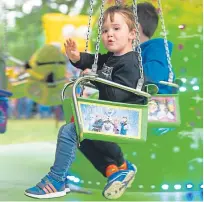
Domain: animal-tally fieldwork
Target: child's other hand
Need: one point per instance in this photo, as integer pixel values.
(71, 50)
(86, 71)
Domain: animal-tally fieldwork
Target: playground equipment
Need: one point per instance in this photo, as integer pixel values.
(174, 163)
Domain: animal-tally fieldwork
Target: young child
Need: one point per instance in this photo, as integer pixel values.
(155, 69)
(119, 65)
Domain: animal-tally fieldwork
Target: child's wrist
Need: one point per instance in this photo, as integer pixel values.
(75, 61)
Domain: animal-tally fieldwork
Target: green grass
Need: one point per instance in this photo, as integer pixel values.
(32, 130)
(26, 154)
(27, 151)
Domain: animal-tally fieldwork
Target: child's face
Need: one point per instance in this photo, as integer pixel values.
(116, 36)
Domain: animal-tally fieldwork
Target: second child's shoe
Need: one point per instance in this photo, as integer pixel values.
(47, 188)
(117, 184)
(67, 189)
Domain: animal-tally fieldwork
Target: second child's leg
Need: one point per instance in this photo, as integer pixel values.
(53, 184)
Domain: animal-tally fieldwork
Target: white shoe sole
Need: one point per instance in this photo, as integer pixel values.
(131, 181)
(46, 196)
(67, 190)
(117, 189)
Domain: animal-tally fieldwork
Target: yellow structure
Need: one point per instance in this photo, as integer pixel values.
(58, 27)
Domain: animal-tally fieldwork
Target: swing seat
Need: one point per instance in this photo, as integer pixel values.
(164, 111)
(105, 120)
(169, 117)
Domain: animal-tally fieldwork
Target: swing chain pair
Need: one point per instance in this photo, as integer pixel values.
(136, 45)
(171, 74)
(94, 66)
(89, 25)
(87, 38)
(100, 23)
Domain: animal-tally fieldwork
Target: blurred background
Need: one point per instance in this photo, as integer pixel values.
(32, 34)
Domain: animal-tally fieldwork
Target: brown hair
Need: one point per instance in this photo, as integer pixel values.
(148, 18)
(123, 10)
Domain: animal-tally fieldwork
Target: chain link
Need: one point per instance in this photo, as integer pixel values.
(136, 44)
(87, 38)
(171, 74)
(89, 25)
(100, 23)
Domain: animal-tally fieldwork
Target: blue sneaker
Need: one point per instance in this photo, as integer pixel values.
(118, 183)
(47, 188)
(67, 189)
(131, 167)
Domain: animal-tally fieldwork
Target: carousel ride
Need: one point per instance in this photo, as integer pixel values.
(43, 80)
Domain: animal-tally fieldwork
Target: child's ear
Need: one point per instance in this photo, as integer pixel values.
(133, 34)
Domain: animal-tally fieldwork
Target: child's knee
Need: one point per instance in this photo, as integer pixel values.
(68, 131)
(86, 144)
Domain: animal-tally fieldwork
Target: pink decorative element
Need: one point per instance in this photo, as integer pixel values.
(182, 26)
(180, 46)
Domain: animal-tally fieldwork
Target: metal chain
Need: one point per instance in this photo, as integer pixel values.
(137, 41)
(100, 22)
(87, 38)
(89, 25)
(136, 44)
(171, 74)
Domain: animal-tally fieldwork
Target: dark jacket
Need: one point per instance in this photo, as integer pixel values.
(119, 69)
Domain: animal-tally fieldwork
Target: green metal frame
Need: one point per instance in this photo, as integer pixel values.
(161, 123)
(72, 106)
(142, 111)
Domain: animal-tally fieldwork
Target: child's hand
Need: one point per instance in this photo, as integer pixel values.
(86, 71)
(71, 50)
